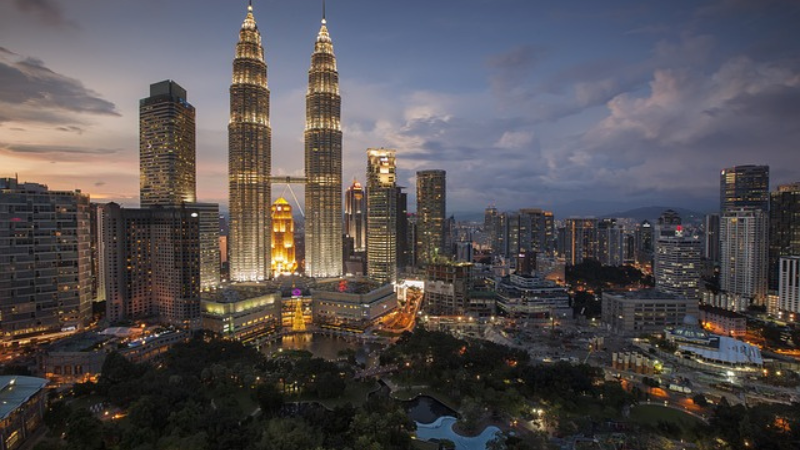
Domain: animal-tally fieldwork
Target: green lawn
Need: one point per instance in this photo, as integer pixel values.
(424, 445)
(86, 402)
(403, 394)
(355, 393)
(244, 397)
(652, 414)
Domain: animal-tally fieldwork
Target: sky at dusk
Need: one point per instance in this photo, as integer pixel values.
(576, 106)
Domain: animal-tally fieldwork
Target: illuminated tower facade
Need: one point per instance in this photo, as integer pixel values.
(355, 216)
(382, 215)
(431, 207)
(249, 158)
(323, 162)
(166, 147)
(283, 255)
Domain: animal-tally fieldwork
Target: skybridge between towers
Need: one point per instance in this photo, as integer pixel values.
(289, 181)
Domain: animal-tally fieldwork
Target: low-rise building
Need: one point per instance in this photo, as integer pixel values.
(352, 304)
(22, 407)
(645, 311)
(722, 351)
(447, 287)
(723, 321)
(76, 359)
(79, 358)
(242, 312)
(532, 297)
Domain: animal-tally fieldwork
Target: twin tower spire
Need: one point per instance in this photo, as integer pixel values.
(250, 160)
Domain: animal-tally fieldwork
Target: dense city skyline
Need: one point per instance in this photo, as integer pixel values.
(619, 104)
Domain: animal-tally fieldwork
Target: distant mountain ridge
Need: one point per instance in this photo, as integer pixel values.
(654, 212)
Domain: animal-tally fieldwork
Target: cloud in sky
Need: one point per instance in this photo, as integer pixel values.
(523, 106)
(47, 11)
(32, 92)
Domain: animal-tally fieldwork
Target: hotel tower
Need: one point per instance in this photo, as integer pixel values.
(249, 158)
(323, 162)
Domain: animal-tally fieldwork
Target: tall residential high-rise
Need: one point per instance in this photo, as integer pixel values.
(152, 263)
(676, 264)
(323, 162)
(166, 147)
(743, 265)
(355, 216)
(167, 167)
(744, 186)
(609, 242)
(789, 285)
(403, 252)
(784, 227)
(580, 240)
(45, 259)
(249, 158)
(490, 217)
(644, 244)
(283, 251)
(382, 215)
(535, 231)
(711, 251)
(431, 213)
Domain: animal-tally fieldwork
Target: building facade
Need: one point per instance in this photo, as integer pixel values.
(45, 259)
(676, 264)
(743, 267)
(711, 241)
(152, 264)
(283, 249)
(352, 305)
(323, 162)
(249, 158)
(580, 240)
(722, 321)
(431, 213)
(789, 286)
(241, 312)
(744, 187)
(784, 228)
(166, 147)
(382, 215)
(403, 249)
(447, 288)
(355, 216)
(645, 311)
(24, 401)
(609, 242)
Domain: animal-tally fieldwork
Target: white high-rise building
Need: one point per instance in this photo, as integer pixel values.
(789, 284)
(743, 253)
(677, 264)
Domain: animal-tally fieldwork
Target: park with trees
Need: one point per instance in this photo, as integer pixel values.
(210, 394)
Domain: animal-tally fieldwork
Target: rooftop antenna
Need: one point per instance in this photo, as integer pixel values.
(323, 12)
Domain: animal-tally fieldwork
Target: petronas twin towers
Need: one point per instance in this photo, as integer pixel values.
(250, 160)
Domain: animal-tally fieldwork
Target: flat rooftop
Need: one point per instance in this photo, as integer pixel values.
(15, 390)
(645, 294)
(82, 342)
(361, 286)
(721, 312)
(238, 292)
